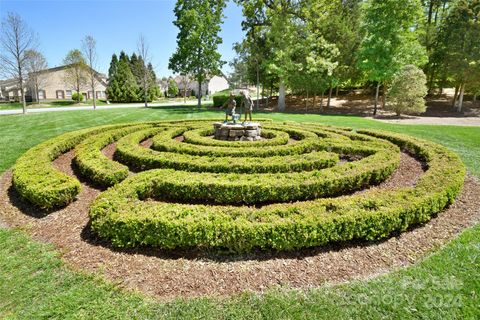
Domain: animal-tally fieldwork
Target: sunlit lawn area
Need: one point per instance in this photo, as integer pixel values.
(34, 283)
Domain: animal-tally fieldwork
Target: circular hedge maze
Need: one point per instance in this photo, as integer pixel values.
(171, 185)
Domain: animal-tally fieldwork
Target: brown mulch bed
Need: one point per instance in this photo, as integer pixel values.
(168, 275)
(362, 105)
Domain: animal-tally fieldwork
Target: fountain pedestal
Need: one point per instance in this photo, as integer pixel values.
(229, 131)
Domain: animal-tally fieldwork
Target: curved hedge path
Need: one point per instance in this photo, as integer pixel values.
(291, 190)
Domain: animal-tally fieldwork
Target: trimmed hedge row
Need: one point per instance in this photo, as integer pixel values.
(309, 142)
(94, 165)
(219, 100)
(37, 181)
(118, 215)
(131, 153)
(254, 189)
(200, 137)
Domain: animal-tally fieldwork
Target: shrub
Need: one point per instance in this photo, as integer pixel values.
(77, 97)
(372, 215)
(285, 196)
(220, 99)
(94, 165)
(172, 88)
(407, 92)
(129, 152)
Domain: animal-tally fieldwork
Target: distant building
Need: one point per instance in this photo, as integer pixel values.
(52, 87)
(211, 86)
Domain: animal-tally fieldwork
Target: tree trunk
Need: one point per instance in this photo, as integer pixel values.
(430, 12)
(430, 82)
(93, 93)
(199, 94)
(37, 96)
(336, 92)
(460, 99)
(384, 97)
(184, 94)
(145, 90)
(263, 93)
(314, 100)
(455, 96)
(375, 105)
(281, 97)
(329, 96)
(24, 102)
(258, 86)
(306, 103)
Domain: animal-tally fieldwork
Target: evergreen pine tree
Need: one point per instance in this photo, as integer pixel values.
(113, 66)
(123, 86)
(113, 86)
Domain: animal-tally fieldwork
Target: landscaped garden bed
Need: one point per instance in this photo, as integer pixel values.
(200, 199)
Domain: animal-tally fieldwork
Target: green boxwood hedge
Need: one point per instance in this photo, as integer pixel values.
(276, 193)
(37, 181)
(120, 216)
(219, 100)
(131, 153)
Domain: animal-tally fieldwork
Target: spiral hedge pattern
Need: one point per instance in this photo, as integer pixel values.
(293, 189)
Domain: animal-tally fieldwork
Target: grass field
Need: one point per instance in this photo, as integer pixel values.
(34, 284)
(71, 103)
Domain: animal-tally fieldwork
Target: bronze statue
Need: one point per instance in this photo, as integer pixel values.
(247, 104)
(231, 105)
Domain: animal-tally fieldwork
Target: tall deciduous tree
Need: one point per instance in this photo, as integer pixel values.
(185, 80)
(76, 73)
(199, 23)
(390, 40)
(89, 46)
(460, 45)
(35, 63)
(145, 75)
(16, 39)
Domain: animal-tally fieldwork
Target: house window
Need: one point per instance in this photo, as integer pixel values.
(60, 94)
(90, 94)
(41, 94)
(68, 94)
(98, 94)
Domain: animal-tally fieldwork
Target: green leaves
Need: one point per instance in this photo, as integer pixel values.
(407, 92)
(199, 23)
(390, 41)
(372, 215)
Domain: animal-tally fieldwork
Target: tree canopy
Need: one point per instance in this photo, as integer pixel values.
(199, 23)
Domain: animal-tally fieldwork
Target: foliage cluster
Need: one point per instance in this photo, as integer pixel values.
(220, 99)
(126, 77)
(314, 46)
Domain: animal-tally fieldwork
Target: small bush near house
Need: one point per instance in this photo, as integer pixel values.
(77, 97)
(219, 100)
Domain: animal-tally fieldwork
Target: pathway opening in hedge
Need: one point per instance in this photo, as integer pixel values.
(293, 189)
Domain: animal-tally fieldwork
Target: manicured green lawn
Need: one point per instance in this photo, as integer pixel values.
(34, 284)
(71, 103)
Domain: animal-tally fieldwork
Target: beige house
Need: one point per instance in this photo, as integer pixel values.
(52, 86)
(211, 86)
